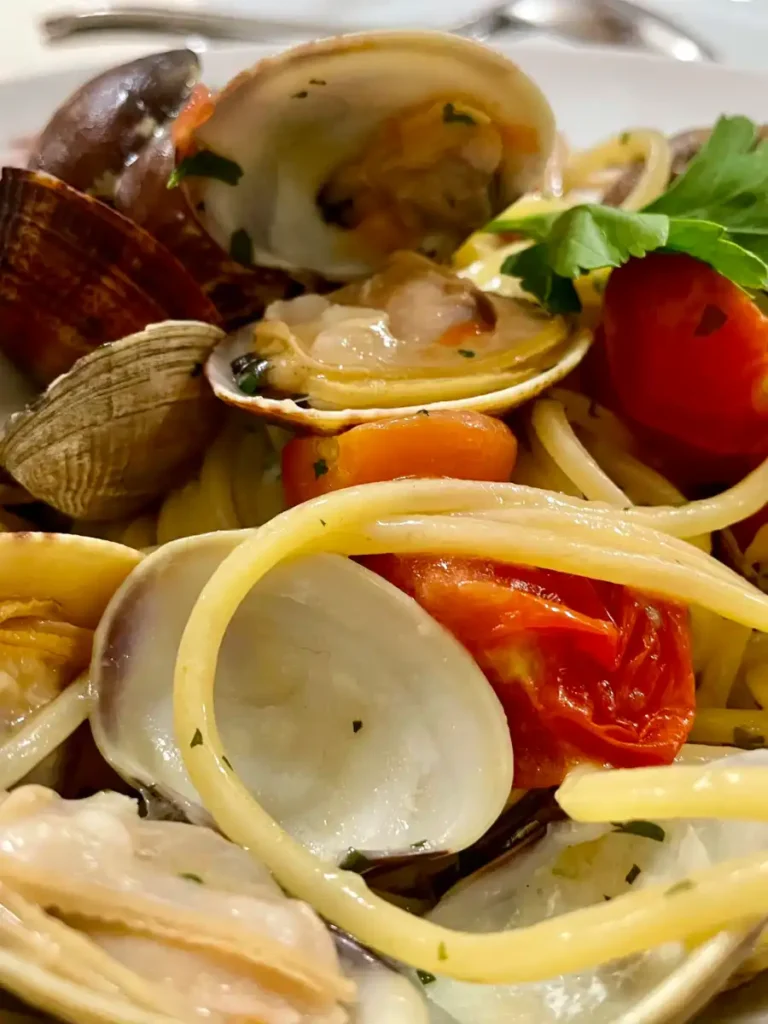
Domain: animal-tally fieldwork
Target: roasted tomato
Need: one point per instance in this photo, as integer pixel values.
(198, 109)
(686, 354)
(463, 445)
(585, 670)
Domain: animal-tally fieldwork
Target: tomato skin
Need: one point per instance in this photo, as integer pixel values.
(687, 357)
(461, 445)
(198, 108)
(585, 670)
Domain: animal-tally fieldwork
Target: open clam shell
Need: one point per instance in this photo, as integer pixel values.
(346, 149)
(77, 274)
(53, 590)
(578, 865)
(127, 422)
(239, 293)
(558, 364)
(106, 123)
(350, 741)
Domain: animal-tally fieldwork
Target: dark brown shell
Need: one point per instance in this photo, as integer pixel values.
(239, 293)
(109, 120)
(76, 274)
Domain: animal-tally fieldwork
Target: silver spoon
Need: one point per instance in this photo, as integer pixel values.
(612, 22)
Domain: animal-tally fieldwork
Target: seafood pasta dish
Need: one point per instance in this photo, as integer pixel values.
(383, 551)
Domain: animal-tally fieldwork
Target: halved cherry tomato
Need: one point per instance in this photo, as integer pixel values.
(462, 445)
(687, 360)
(585, 670)
(197, 110)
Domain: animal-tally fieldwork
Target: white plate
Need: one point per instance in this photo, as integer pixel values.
(594, 93)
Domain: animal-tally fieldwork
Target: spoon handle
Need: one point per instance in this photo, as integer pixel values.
(166, 20)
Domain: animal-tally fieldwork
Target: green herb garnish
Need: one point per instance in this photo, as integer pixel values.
(442, 952)
(191, 878)
(646, 829)
(421, 845)
(684, 886)
(197, 739)
(355, 861)
(425, 977)
(320, 467)
(466, 352)
(241, 247)
(632, 874)
(716, 211)
(453, 116)
(227, 762)
(747, 739)
(423, 412)
(250, 372)
(206, 164)
(357, 725)
(300, 95)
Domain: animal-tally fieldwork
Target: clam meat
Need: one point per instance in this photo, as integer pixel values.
(108, 917)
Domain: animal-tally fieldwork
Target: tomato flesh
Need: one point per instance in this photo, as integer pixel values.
(686, 354)
(585, 670)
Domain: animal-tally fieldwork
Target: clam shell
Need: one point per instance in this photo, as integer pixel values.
(79, 574)
(331, 421)
(349, 742)
(127, 422)
(292, 121)
(98, 130)
(77, 274)
(239, 293)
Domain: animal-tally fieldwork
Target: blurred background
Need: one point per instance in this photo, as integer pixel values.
(737, 30)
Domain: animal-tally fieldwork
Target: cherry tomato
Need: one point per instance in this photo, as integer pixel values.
(686, 355)
(585, 670)
(197, 110)
(462, 445)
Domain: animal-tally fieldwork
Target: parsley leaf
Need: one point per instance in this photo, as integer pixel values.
(453, 116)
(538, 278)
(716, 212)
(425, 977)
(646, 829)
(206, 164)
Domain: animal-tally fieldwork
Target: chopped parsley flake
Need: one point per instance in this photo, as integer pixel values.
(422, 843)
(206, 164)
(197, 739)
(227, 762)
(466, 352)
(747, 739)
(646, 829)
(425, 977)
(317, 81)
(300, 95)
(357, 725)
(684, 886)
(423, 412)
(241, 247)
(625, 137)
(453, 116)
(632, 874)
(320, 467)
(191, 877)
(442, 952)
(323, 522)
(355, 861)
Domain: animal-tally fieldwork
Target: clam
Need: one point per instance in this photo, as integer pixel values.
(574, 866)
(110, 917)
(353, 742)
(106, 123)
(127, 422)
(413, 335)
(77, 274)
(53, 589)
(333, 155)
